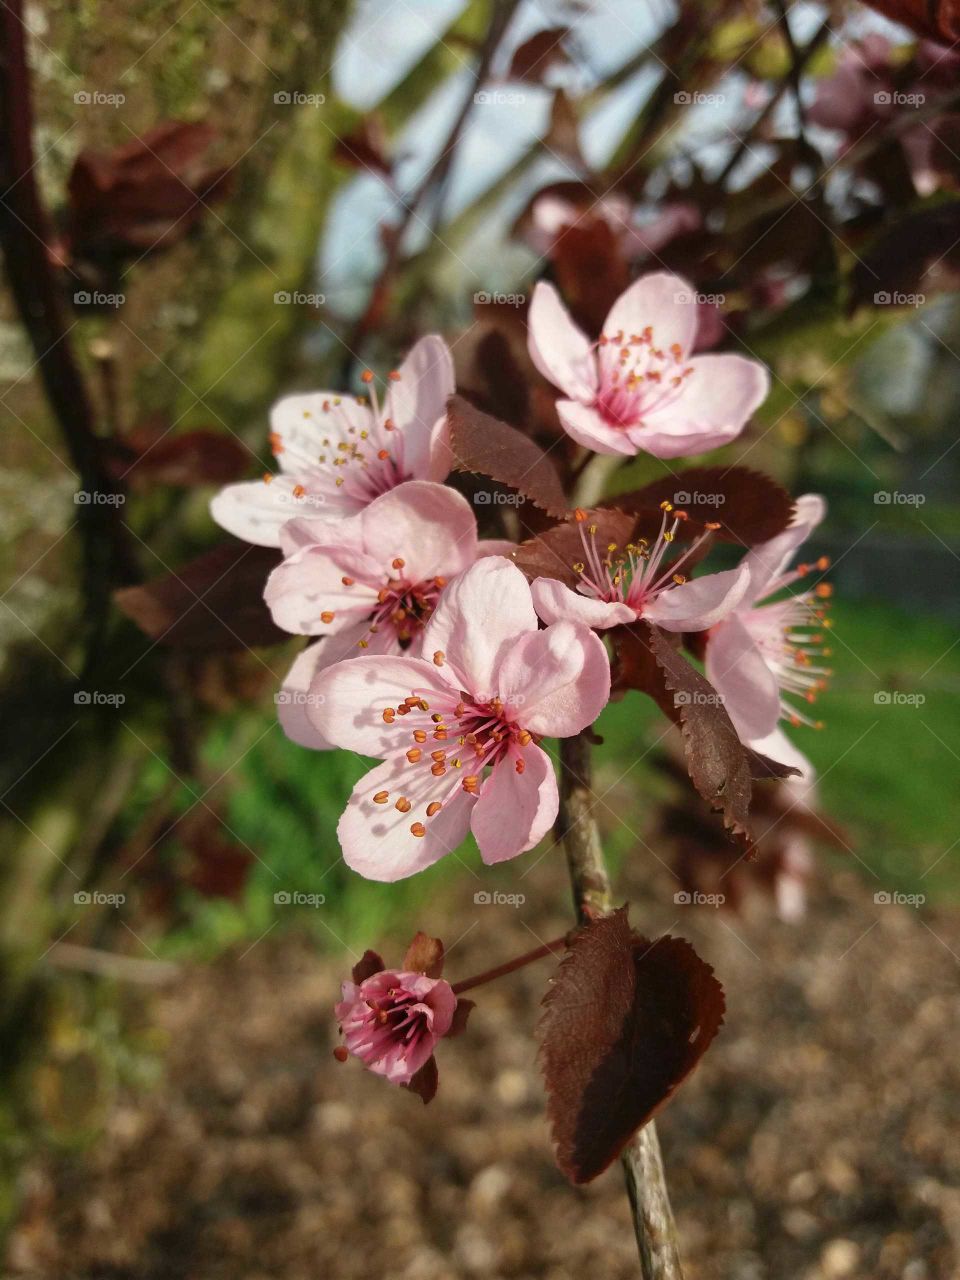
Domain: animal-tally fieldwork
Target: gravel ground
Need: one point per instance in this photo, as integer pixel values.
(818, 1138)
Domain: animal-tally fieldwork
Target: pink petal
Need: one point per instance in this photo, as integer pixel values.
(585, 425)
(294, 698)
(417, 402)
(376, 838)
(736, 669)
(312, 531)
(351, 697)
(481, 615)
(428, 526)
(310, 584)
(495, 547)
(515, 810)
(300, 423)
(659, 299)
(558, 348)
(699, 604)
(712, 408)
(256, 510)
(770, 559)
(556, 681)
(555, 602)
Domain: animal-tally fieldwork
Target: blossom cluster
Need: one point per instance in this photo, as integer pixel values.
(434, 654)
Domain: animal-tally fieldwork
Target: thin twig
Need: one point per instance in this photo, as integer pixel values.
(434, 180)
(642, 1165)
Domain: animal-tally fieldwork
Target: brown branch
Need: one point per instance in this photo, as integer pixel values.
(592, 894)
(37, 290)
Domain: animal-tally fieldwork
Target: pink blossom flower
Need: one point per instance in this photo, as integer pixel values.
(393, 1020)
(552, 214)
(489, 686)
(368, 583)
(337, 453)
(767, 650)
(638, 388)
(620, 586)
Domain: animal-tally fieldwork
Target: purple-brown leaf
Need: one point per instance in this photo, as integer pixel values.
(425, 1082)
(749, 506)
(492, 448)
(212, 603)
(625, 1021)
(368, 964)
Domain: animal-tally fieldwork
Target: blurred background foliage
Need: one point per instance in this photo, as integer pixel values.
(329, 119)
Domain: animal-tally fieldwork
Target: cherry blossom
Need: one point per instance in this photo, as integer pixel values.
(639, 388)
(368, 583)
(489, 687)
(337, 453)
(768, 651)
(393, 1020)
(623, 585)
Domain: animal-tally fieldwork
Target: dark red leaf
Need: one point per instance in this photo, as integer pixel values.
(145, 194)
(749, 506)
(220, 865)
(717, 761)
(203, 456)
(920, 254)
(936, 19)
(625, 1022)
(425, 1082)
(424, 955)
(554, 553)
(460, 1015)
(214, 602)
(492, 448)
(368, 964)
(534, 58)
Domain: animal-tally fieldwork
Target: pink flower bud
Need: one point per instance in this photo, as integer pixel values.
(392, 1021)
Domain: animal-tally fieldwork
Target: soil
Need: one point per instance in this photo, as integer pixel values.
(817, 1140)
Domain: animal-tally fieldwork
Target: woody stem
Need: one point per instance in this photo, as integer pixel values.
(556, 947)
(592, 895)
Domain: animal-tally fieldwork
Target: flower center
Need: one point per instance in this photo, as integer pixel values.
(454, 737)
(637, 377)
(362, 462)
(634, 575)
(403, 607)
